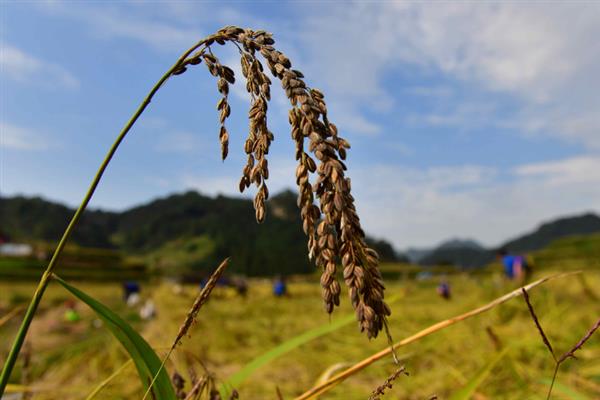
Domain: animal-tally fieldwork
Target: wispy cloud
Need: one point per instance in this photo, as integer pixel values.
(409, 73)
(584, 169)
(464, 116)
(441, 92)
(181, 142)
(281, 177)
(19, 138)
(211, 185)
(412, 206)
(110, 22)
(22, 67)
(534, 52)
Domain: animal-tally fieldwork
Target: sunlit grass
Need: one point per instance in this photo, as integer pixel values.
(231, 331)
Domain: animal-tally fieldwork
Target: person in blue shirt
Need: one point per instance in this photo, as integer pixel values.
(130, 288)
(515, 266)
(279, 287)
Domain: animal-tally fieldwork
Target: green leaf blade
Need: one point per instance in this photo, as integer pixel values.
(145, 359)
(287, 346)
(567, 391)
(291, 344)
(469, 389)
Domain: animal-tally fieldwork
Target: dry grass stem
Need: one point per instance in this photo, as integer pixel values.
(390, 341)
(278, 393)
(191, 317)
(197, 389)
(332, 382)
(199, 302)
(586, 288)
(537, 323)
(571, 353)
(380, 390)
(494, 338)
(566, 355)
(579, 344)
(108, 380)
(207, 385)
(15, 311)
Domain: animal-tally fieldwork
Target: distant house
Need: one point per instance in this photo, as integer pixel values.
(16, 249)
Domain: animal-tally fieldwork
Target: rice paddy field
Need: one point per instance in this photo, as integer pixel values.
(498, 354)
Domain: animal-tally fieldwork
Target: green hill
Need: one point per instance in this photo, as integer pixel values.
(180, 233)
(575, 252)
(191, 232)
(30, 219)
(550, 231)
(468, 254)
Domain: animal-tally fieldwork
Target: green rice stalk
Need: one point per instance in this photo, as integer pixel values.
(45, 279)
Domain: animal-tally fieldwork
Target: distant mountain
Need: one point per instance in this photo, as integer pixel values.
(386, 251)
(414, 254)
(464, 257)
(189, 230)
(442, 253)
(460, 244)
(35, 219)
(470, 254)
(465, 253)
(548, 232)
(180, 232)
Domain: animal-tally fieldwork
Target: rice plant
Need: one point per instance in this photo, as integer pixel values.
(333, 229)
(329, 220)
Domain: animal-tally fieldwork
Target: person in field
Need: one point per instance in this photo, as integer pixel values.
(131, 293)
(148, 310)
(279, 287)
(516, 267)
(443, 290)
(240, 285)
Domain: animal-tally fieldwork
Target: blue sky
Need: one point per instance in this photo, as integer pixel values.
(466, 119)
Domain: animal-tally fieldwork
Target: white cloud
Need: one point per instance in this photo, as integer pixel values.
(412, 207)
(348, 118)
(282, 175)
(442, 92)
(113, 22)
(419, 207)
(545, 55)
(584, 169)
(464, 116)
(542, 57)
(18, 138)
(159, 182)
(212, 185)
(22, 67)
(505, 46)
(181, 142)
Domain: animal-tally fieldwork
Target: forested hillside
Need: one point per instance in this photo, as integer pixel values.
(180, 232)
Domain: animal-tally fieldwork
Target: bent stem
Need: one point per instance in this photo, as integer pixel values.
(190, 319)
(333, 381)
(41, 288)
(553, 380)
